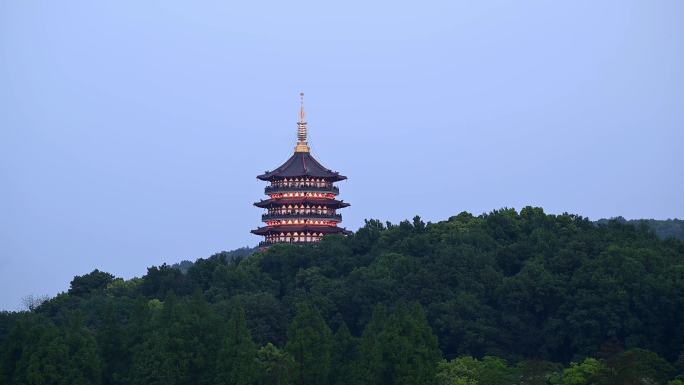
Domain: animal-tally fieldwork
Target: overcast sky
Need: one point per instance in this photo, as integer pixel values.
(131, 132)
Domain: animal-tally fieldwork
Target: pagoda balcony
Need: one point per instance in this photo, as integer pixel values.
(271, 217)
(286, 242)
(278, 189)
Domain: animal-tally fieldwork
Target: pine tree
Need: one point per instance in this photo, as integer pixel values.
(154, 364)
(309, 341)
(36, 352)
(399, 349)
(201, 330)
(371, 366)
(344, 356)
(409, 347)
(236, 363)
(85, 365)
(54, 356)
(163, 357)
(109, 342)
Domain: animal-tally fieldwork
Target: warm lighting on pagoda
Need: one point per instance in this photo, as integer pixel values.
(302, 205)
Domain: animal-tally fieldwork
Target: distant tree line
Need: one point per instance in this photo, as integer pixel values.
(663, 228)
(227, 256)
(497, 299)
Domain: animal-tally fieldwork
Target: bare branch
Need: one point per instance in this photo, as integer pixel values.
(32, 302)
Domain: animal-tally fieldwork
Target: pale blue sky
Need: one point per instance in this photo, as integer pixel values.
(131, 132)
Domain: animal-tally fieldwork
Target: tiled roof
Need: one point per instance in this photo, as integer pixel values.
(301, 164)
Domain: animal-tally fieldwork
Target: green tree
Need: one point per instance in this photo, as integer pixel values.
(276, 367)
(536, 372)
(85, 365)
(459, 371)
(371, 365)
(154, 363)
(181, 347)
(399, 348)
(467, 370)
(633, 366)
(495, 371)
(237, 363)
(111, 347)
(91, 282)
(409, 347)
(309, 341)
(578, 373)
(344, 356)
(50, 355)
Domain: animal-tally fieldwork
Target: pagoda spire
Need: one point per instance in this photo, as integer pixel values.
(302, 145)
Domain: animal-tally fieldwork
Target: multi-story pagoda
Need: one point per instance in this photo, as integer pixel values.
(301, 207)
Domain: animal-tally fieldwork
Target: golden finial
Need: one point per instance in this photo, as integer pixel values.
(302, 145)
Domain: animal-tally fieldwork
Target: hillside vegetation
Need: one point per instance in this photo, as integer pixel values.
(498, 299)
(663, 228)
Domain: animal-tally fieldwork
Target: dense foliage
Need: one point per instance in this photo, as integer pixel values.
(501, 298)
(663, 228)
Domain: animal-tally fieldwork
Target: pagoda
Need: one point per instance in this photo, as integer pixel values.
(302, 205)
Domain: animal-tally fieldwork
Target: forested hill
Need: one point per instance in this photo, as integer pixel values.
(498, 299)
(663, 228)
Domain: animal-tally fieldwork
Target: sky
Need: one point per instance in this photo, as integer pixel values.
(131, 132)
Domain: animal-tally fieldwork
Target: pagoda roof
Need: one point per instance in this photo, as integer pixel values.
(300, 228)
(298, 200)
(301, 164)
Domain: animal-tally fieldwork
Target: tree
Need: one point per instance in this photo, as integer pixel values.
(633, 366)
(159, 281)
(344, 357)
(176, 350)
(578, 373)
(276, 366)
(495, 371)
(94, 281)
(111, 347)
(237, 363)
(24, 339)
(409, 347)
(84, 362)
(399, 348)
(536, 372)
(50, 355)
(467, 370)
(32, 302)
(154, 363)
(309, 341)
(459, 371)
(371, 365)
